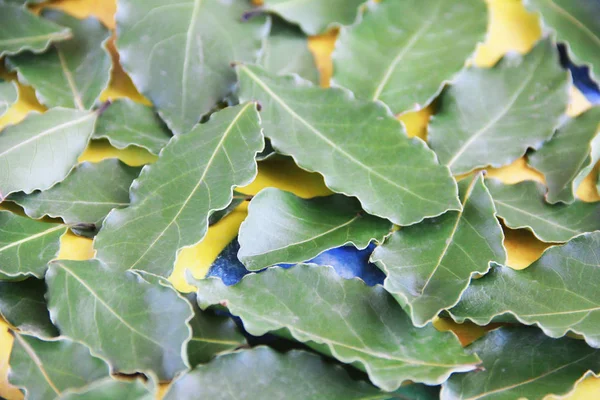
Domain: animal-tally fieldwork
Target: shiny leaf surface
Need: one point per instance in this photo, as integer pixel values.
(41, 150)
(109, 389)
(402, 52)
(492, 116)
(73, 73)
(364, 324)
(429, 265)
(523, 206)
(179, 54)
(173, 198)
(284, 228)
(354, 144)
(135, 325)
(558, 292)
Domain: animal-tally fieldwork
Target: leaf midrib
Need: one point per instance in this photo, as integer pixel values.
(534, 216)
(33, 237)
(328, 141)
(36, 360)
(574, 21)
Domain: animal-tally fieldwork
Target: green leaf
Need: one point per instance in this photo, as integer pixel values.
(23, 306)
(568, 157)
(523, 206)
(558, 292)
(26, 246)
(575, 22)
(127, 123)
(286, 52)
(402, 52)
(356, 145)
(284, 228)
(136, 326)
(523, 363)
(263, 373)
(21, 30)
(44, 369)
(492, 116)
(8, 95)
(86, 196)
(179, 54)
(351, 321)
(111, 389)
(315, 16)
(211, 335)
(429, 265)
(71, 74)
(173, 198)
(41, 150)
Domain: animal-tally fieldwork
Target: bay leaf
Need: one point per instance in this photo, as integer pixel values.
(20, 30)
(403, 52)
(314, 16)
(135, 325)
(523, 206)
(23, 306)
(179, 54)
(355, 145)
(284, 228)
(70, 74)
(263, 373)
(42, 149)
(575, 22)
(238, 198)
(26, 246)
(286, 52)
(111, 389)
(364, 325)
(211, 334)
(127, 123)
(44, 369)
(86, 196)
(8, 95)
(569, 156)
(173, 198)
(523, 363)
(429, 265)
(558, 292)
(491, 116)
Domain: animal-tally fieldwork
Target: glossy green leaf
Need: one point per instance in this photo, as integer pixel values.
(402, 52)
(429, 265)
(286, 52)
(284, 228)
(211, 335)
(492, 116)
(8, 95)
(23, 306)
(567, 158)
(575, 22)
(173, 198)
(41, 150)
(558, 292)
(21, 30)
(315, 16)
(364, 325)
(86, 196)
(179, 54)
(356, 145)
(111, 389)
(127, 123)
(26, 246)
(263, 373)
(135, 325)
(523, 206)
(44, 369)
(523, 363)
(73, 73)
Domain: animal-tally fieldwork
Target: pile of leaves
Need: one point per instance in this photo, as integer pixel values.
(324, 298)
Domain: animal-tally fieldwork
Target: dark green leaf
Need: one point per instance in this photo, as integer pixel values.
(111, 389)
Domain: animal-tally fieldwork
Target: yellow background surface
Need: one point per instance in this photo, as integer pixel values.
(511, 28)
